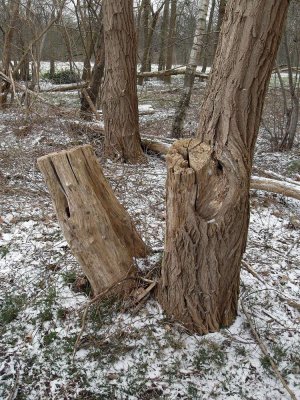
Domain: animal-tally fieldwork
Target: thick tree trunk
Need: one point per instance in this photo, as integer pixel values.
(209, 178)
(98, 229)
(221, 13)
(120, 105)
(189, 77)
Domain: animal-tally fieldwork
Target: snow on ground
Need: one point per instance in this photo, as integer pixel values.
(140, 353)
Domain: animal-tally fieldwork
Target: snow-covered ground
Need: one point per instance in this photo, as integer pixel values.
(133, 353)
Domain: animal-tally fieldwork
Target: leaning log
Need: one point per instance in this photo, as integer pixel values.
(98, 229)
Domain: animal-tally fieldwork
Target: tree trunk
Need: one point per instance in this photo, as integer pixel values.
(98, 229)
(292, 112)
(189, 76)
(120, 104)
(163, 37)
(52, 68)
(146, 8)
(221, 13)
(97, 75)
(207, 39)
(146, 61)
(209, 178)
(171, 38)
(7, 48)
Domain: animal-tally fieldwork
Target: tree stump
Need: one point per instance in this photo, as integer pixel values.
(97, 227)
(206, 231)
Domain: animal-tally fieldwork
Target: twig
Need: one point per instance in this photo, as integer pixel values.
(101, 295)
(290, 302)
(266, 353)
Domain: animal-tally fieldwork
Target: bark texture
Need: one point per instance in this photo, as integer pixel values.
(209, 178)
(98, 229)
(120, 104)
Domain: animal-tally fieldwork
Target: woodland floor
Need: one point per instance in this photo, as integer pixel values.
(134, 353)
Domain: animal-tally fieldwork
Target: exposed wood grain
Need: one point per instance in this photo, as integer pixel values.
(97, 227)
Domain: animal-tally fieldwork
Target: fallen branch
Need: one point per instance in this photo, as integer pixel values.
(274, 175)
(266, 353)
(66, 88)
(24, 89)
(168, 72)
(275, 186)
(105, 292)
(290, 302)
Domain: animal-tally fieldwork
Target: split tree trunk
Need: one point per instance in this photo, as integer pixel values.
(209, 178)
(98, 229)
(120, 104)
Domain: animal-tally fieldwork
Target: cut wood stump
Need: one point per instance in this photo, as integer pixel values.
(97, 227)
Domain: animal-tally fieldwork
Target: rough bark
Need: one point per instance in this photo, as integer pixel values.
(120, 105)
(189, 77)
(277, 184)
(98, 229)
(209, 177)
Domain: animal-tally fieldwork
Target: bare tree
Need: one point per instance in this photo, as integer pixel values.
(163, 37)
(171, 38)
(148, 37)
(14, 7)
